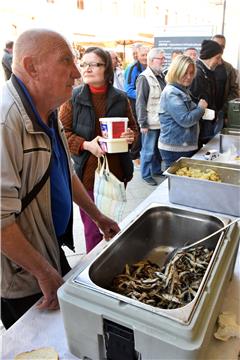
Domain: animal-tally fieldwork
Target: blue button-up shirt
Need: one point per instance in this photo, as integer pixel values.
(61, 200)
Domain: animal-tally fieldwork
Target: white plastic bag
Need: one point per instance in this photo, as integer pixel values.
(109, 192)
(209, 115)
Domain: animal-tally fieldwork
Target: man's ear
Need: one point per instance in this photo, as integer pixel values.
(30, 66)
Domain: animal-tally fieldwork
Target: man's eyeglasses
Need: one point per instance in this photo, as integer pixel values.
(92, 65)
(162, 58)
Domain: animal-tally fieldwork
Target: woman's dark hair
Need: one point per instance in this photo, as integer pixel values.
(106, 59)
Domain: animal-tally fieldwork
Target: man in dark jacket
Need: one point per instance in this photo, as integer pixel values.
(204, 87)
(226, 80)
(7, 59)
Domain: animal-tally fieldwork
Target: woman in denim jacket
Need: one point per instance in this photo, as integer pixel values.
(179, 115)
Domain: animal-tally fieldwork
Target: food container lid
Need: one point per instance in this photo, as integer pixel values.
(113, 119)
(119, 140)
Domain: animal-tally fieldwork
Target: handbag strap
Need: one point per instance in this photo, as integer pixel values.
(103, 165)
(99, 166)
(36, 189)
(106, 164)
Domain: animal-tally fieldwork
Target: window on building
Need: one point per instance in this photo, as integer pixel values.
(80, 4)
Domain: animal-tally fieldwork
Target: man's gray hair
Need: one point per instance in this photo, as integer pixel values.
(153, 53)
(137, 46)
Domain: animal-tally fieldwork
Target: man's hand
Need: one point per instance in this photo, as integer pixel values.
(203, 104)
(49, 284)
(93, 147)
(16, 247)
(108, 226)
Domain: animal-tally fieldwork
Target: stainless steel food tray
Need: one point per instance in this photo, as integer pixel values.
(157, 225)
(229, 139)
(222, 197)
(87, 303)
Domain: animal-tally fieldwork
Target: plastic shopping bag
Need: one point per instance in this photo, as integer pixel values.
(109, 192)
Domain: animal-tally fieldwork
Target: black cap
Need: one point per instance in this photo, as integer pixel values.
(209, 49)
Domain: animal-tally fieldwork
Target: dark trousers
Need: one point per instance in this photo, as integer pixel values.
(137, 145)
(13, 309)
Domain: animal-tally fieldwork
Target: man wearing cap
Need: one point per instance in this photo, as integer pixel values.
(226, 80)
(204, 87)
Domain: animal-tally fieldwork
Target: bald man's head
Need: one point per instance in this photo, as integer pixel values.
(44, 61)
(37, 43)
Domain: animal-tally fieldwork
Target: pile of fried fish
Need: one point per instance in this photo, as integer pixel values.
(169, 287)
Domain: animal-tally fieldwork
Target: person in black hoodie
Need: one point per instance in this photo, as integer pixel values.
(204, 87)
(226, 80)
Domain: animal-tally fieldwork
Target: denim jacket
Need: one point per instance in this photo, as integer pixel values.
(179, 117)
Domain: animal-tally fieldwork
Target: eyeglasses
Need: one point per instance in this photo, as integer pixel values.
(92, 65)
(162, 58)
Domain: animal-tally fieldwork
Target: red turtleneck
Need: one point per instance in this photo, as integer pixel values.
(98, 90)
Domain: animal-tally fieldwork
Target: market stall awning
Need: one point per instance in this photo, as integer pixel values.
(111, 42)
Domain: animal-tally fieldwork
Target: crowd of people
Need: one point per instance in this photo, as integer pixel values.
(50, 109)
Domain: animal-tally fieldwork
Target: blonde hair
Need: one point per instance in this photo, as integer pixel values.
(178, 68)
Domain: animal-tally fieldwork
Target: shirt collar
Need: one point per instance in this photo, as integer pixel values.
(205, 64)
(46, 128)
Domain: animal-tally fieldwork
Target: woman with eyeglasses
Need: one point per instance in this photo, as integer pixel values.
(93, 99)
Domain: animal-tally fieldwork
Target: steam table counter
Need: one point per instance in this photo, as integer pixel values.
(45, 328)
